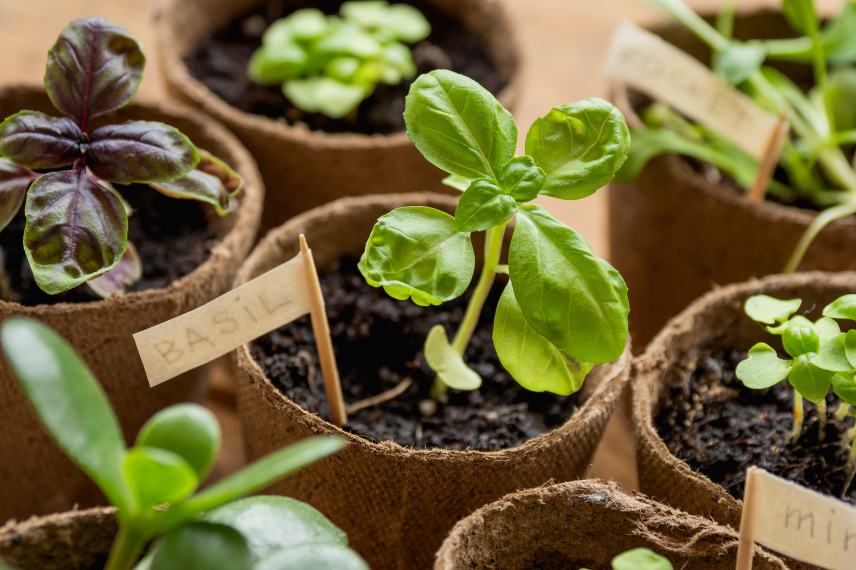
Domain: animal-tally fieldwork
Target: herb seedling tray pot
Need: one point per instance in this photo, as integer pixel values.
(674, 234)
(37, 478)
(585, 524)
(303, 168)
(397, 504)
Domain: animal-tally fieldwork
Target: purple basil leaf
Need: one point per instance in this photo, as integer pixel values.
(76, 229)
(36, 140)
(124, 274)
(213, 182)
(93, 68)
(14, 181)
(140, 151)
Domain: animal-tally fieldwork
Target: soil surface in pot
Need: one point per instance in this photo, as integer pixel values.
(556, 561)
(719, 427)
(220, 62)
(173, 237)
(378, 343)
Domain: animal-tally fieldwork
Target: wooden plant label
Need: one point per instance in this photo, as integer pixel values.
(797, 522)
(647, 63)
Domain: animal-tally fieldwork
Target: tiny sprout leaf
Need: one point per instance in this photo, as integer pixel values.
(14, 182)
(324, 95)
(212, 181)
(202, 544)
(763, 368)
(640, 559)
(580, 146)
(187, 430)
(832, 356)
(809, 380)
(522, 178)
(532, 360)
(399, 21)
(93, 68)
(306, 24)
(842, 308)
(156, 476)
(484, 205)
(124, 274)
(795, 321)
(314, 557)
(457, 182)
(739, 61)
(418, 252)
(34, 140)
(850, 347)
(799, 339)
(272, 66)
(447, 363)
(769, 310)
(844, 386)
(827, 329)
(459, 126)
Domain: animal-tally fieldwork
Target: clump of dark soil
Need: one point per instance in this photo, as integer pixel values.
(378, 343)
(220, 62)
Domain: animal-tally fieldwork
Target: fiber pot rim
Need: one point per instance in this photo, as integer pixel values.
(238, 239)
(615, 374)
(178, 75)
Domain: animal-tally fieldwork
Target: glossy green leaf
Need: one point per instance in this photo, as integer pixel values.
(850, 347)
(122, 276)
(93, 68)
(76, 229)
(532, 360)
(418, 252)
(762, 368)
(800, 339)
(827, 329)
(832, 356)
(739, 61)
(459, 126)
(187, 430)
(202, 545)
(447, 363)
(484, 205)
(844, 386)
(212, 181)
(68, 401)
(809, 380)
(457, 182)
(580, 146)
(399, 21)
(769, 310)
(640, 559)
(842, 308)
(14, 182)
(574, 299)
(314, 557)
(156, 476)
(35, 140)
(324, 95)
(522, 178)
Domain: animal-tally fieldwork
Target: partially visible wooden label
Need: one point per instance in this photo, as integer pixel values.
(237, 317)
(801, 523)
(647, 63)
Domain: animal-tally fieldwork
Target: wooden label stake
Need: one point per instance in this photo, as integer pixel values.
(769, 161)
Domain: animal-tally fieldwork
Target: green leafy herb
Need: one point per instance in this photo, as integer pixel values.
(640, 559)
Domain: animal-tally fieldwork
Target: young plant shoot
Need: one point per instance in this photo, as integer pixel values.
(640, 559)
(330, 64)
(564, 309)
(63, 168)
(153, 484)
(814, 164)
(821, 357)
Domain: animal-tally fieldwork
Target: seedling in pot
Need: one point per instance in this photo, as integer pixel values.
(640, 559)
(153, 484)
(564, 309)
(330, 64)
(63, 168)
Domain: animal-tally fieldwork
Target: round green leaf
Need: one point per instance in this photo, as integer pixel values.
(188, 430)
(640, 559)
(800, 339)
(35, 140)
(307, 24)
(156, 476)
(832, 356)
(324, 95)
(484, 205)
(399, 21)
(418, 252)
(447, 363)
(314, 557)
(850, 347)
(580, 147)
(762, 368)
(842, 308)
(532, 360)
(827, 329)
(809, 380)
(522, 178)
(769, 310)
(202, 545)
(272, 65)
(844, 386)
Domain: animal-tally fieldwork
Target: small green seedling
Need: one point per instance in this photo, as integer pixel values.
(330, 64)
(76, 227)
(564, 309)
(821, 357)
(153, 484)
(640, 559)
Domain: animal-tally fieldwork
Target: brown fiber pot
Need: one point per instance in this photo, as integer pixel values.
(717, 319)
(398, 504)
(587, 522)
(303, 168)
(35, 478)
(674, 234)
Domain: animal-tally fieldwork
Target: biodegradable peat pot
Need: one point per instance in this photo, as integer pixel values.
(584, 524)
(397, 504)
(716, 320)
(37, 478)
(303, 168)
(674, 234)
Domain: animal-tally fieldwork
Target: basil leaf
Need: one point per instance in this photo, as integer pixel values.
(35, 140)
(484, 205)
(314, 557)
(117, 280)
(212, 182)
(769, 310)
(202, 544)
(187, 430)
(844, 386)
(640, 559)
(14, 182)
(457, 182)
(799, 339)
(827, 329)
(580, 146)
(739, 61)
(140, 151)
(809, 380)
(76, 229)
(398, 21)
(842, 308)
(418, 252)
(762, 368)
(832, 356)
(459, 126)
(156, 476)
(273, 65)
(850, 347)
(574, 299)
(93, 68)
(531, 359)
(447, 363)
(324, 95)
(522, 178)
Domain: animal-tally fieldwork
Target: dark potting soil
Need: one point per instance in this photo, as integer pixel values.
(220, 62)
(719, 427)
(557, 561)
(173, 237)
(378, 342)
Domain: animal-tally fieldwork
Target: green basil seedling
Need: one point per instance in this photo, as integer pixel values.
(564, 309)
(640, 559)
(76, 222)
(153, 484)
(330, 64)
